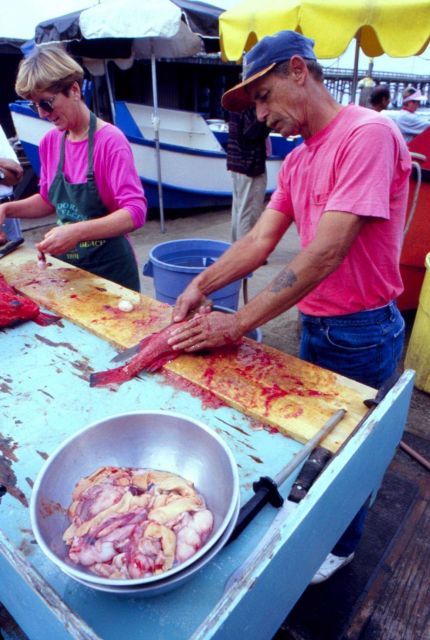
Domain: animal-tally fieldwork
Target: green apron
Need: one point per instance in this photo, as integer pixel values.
(112, 258)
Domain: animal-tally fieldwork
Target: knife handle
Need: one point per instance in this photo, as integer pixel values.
(265, 491)
(10, 246)
(313, 466)
(382, 392)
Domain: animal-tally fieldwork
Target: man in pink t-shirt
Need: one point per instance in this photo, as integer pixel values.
(346, 190)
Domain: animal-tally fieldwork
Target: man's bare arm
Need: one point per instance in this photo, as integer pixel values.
(336, 233)
(239, 260)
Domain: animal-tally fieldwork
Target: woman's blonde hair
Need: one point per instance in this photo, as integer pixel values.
(47, 68)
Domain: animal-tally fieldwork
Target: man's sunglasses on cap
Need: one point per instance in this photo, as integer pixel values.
(45, 105)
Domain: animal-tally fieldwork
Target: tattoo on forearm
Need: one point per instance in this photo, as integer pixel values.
(284, 280)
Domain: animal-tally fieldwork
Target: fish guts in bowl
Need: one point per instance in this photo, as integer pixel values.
(160, 441)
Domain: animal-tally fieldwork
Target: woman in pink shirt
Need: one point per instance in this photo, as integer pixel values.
(88, 177)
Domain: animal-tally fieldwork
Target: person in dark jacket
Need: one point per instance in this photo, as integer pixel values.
(246, 159)
(380, 98)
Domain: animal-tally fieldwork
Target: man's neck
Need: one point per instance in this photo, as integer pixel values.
(321, 113)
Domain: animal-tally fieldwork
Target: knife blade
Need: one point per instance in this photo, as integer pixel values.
(127, 353)
(10, 246)
(266, 489)
(312, 468)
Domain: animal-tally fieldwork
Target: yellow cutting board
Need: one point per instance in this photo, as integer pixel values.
(291, 395)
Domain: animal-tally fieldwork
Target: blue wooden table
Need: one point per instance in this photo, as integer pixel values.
(45, 397)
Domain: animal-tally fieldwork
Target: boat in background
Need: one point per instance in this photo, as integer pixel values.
(192, 151)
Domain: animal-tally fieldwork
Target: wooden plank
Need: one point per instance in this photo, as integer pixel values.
(273, 387)
(85, 299)
(396, 605)
(292, 396)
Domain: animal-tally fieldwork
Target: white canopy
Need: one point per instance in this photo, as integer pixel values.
(156, 27)
(20, 20)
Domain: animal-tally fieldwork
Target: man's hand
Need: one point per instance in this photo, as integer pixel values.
(207, 330)
(61, 239)
(191, 299)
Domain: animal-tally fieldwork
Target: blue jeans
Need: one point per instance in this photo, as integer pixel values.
(365, 346)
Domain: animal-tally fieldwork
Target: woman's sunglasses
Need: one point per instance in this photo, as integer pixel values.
(45, 105)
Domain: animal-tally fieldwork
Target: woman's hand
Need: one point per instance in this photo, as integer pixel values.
(206, 330)
(61, 239)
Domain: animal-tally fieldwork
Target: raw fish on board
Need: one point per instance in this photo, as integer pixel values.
(16, 308)
(153, 354)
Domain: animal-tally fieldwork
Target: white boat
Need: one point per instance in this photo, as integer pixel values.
(193, 158)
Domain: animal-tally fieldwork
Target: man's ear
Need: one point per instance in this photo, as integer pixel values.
(298, 68)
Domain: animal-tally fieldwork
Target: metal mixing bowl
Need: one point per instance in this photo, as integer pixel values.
(156, 440)
(167, 584)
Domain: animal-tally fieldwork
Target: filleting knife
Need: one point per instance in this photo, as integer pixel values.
(10, 246)
(127, 353)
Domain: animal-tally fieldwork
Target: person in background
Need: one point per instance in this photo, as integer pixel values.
(88, 177)
(11, 173)
(380, 98)
(409, 122)
(408, 91)
(346, 190)
(246, 159)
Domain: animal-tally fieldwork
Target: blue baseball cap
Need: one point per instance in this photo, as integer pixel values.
(261, 59)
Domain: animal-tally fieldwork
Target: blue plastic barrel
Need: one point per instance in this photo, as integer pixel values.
(174, 264)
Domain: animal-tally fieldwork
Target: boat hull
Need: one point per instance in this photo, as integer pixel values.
(195, 175)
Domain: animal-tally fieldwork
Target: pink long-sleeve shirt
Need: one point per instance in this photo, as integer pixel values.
(358, 164)
(115, 174)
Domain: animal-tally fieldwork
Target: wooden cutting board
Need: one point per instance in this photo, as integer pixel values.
(291, 395)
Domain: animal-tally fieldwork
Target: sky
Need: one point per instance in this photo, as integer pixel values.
(417, 65)
(21, 18)
(31, 13)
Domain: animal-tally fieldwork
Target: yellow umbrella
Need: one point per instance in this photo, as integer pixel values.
(398, 28)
